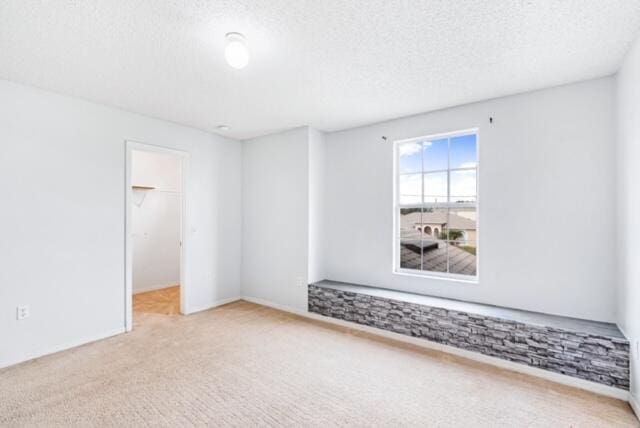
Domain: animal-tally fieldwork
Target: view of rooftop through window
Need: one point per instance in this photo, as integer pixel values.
(436, 205)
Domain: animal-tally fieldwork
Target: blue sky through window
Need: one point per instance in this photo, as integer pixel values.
(410, 158)
(438, 155)
(462, 151)
(435, 154)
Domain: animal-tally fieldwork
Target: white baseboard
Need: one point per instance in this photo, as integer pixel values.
(58, 348)
(211, 305)
(516, 367)
(635, 405)
(520, 368)
(72, 344)
(155, 287)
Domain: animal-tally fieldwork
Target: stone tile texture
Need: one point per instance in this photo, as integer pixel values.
(588, 356)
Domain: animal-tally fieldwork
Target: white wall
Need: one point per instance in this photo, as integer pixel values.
(628, 186)
(546, 209)
(62, 162)
(316, 173)
(155, 220)
(275, 218)
(547, 204)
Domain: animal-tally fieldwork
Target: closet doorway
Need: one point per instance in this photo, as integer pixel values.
(155, 231)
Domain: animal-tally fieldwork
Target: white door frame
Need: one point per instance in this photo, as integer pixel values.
(130, 146)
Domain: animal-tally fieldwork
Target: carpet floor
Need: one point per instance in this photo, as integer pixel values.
(248, 365)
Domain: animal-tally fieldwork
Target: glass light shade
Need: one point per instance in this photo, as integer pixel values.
(236, 52)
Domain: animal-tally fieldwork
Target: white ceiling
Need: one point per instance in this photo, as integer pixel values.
(331, 64)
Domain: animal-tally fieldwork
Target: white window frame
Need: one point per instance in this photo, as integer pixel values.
(396, 269)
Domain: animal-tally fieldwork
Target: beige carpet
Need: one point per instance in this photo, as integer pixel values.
(247, 365)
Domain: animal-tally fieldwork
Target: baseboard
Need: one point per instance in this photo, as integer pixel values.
(155, 287)
(72, 344)
(558, 378)
(497, 362)
(635, 405)
(215, 304)
(633, 400)
(59, 348)
(278, 306)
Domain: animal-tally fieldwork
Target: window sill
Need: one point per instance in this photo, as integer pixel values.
(445, 277)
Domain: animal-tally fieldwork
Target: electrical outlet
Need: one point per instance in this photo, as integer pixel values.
(300, 282)
(22, 312)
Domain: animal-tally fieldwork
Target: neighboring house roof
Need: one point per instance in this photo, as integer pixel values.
(439, 217)
(435, 259)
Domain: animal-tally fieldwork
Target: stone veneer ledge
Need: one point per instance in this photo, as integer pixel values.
(583, 349)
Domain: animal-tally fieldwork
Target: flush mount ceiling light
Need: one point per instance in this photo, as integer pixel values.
(236, 52)
(222, 128)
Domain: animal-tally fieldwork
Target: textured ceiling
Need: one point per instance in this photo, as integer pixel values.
(331, 64)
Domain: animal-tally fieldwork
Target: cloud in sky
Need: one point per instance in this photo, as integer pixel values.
(408, 149)
(462, 184)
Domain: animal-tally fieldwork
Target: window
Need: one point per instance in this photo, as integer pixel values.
(436, 232)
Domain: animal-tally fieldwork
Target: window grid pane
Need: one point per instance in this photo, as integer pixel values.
(462, 258)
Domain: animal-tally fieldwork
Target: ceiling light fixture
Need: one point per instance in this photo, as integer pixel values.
(222, 128)
(236, 52)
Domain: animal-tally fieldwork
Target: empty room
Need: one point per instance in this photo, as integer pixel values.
(313, 214)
